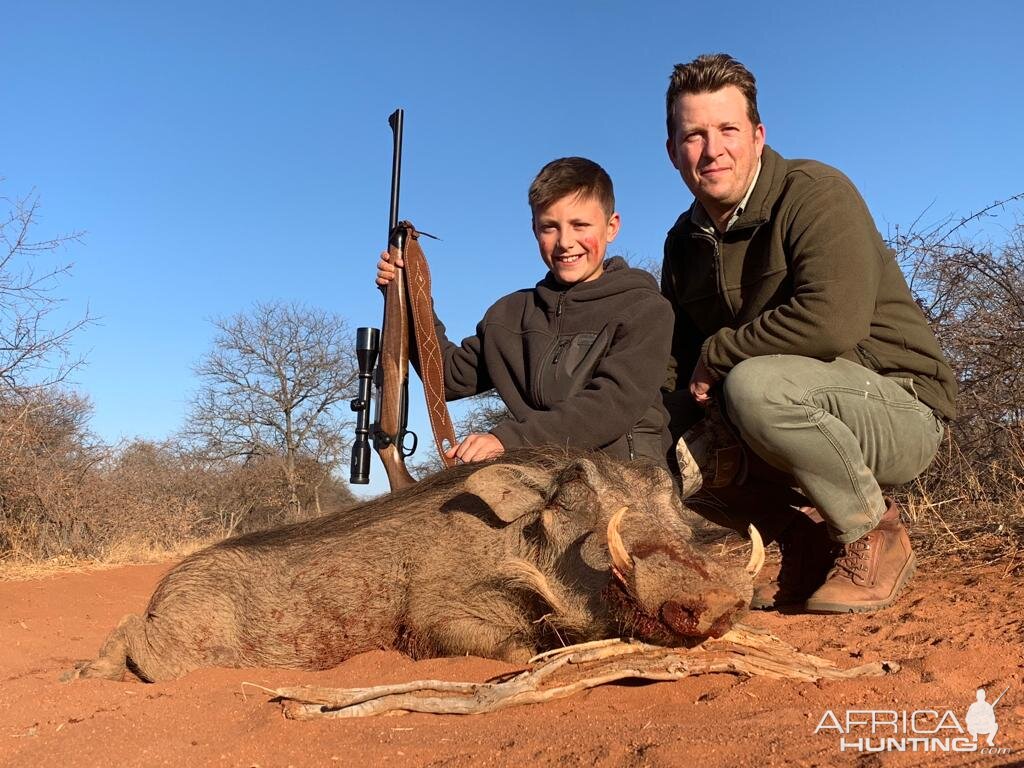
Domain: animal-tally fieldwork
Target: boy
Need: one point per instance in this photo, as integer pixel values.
(578, 359)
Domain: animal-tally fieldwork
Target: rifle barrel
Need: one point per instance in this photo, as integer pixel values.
(397, 123)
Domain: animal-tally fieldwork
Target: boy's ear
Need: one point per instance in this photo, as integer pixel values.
(614, 224)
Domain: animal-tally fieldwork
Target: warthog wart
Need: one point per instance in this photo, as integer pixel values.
(502, 560)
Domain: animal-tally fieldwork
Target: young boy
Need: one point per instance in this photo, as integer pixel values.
(579, 358)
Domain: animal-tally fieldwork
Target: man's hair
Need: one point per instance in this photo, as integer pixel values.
(572, 175)
(708, 73)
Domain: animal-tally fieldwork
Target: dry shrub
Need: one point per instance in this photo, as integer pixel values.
(46, 451)
(64, 494)
(971, 500)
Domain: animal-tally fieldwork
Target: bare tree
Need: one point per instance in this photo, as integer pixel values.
(271, 388)
(33, 353)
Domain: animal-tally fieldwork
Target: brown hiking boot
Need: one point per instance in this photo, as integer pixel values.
(807, 555)
(871, 571)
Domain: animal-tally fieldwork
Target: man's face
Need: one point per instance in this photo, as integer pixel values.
(715, 147)
(573, 234)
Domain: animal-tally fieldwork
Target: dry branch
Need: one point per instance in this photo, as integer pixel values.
(565, 672)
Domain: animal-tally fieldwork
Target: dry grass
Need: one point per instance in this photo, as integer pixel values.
(127, 552)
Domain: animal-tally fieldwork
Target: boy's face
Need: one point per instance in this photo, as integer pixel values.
(573, 234)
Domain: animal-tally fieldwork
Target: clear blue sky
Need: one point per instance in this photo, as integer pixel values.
(222, 153)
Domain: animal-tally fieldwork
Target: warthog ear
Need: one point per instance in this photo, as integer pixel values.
(510, 490)
(585, 470)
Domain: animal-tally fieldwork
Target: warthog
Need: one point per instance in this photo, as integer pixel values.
(500, 560)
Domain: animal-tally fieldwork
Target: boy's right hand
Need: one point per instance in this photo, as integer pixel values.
(386, 270)
(476, 447)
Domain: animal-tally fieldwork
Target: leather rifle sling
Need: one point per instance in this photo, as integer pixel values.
(417, 277)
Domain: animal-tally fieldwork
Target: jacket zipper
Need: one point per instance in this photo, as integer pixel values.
(716, 243)
(556, 344)
(562, 344)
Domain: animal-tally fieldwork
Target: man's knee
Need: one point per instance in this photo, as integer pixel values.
(758, 389)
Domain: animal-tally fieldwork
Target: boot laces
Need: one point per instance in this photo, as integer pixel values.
(855, 558)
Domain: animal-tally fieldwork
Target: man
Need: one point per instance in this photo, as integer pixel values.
(796, 330)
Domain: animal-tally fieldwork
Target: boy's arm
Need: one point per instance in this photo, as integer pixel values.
(623, 386)
(464, 371)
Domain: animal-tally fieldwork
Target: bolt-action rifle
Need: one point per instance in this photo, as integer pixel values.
(391, 374)
(390, 433)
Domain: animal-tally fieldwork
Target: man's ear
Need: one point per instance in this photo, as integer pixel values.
(511, 491)
(671, 150)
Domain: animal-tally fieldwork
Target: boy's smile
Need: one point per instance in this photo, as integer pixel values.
(573, 234)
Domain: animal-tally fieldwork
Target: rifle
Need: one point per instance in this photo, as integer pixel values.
(390, 429)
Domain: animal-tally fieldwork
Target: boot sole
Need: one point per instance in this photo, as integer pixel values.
(819, 606)
(775, 605)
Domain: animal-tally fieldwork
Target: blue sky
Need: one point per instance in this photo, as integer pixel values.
(218, 154)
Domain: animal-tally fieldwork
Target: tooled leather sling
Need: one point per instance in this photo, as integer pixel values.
(417, 280)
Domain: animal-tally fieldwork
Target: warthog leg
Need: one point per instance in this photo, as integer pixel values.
(127, 648)
(111, 664)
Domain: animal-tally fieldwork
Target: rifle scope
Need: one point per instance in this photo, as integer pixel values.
(367, 350)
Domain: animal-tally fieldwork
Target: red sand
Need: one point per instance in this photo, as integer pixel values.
(952, 632)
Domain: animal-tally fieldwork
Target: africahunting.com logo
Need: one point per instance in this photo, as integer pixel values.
(919, 730)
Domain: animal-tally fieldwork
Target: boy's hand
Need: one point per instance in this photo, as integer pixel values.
(476, 447)
(700, 383)
(386, 270)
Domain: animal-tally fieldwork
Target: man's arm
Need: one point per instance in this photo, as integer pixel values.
(835, 263)
(686, 338)
(623, 385)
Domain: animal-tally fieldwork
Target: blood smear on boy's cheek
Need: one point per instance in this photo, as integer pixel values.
(590, 244)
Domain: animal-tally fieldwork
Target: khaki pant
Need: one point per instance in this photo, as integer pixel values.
(840, 431)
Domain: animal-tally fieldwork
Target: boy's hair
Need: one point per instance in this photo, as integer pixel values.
(708, 73)
(572, 175)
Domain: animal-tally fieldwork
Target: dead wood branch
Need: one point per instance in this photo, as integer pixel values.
(563, 673)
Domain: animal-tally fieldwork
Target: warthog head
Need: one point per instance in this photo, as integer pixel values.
(621, 530)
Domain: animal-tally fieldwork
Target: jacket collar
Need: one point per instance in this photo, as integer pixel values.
(757, 205)
(765, 192)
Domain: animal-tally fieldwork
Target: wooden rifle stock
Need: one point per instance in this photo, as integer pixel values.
(393, 395)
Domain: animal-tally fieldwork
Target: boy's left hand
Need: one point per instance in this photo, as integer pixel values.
(476, 447)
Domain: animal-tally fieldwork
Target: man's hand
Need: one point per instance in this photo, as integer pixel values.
(476, 447)
(386, 270)
(700, 383)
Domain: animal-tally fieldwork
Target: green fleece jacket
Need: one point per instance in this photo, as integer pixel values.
(803, 271)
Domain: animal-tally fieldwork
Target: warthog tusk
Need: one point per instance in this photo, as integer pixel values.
(620, 557)
(757, 555)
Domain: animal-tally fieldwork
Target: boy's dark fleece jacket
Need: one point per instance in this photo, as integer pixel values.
(577, 366)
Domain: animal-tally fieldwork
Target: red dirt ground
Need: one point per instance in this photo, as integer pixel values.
(952, 633)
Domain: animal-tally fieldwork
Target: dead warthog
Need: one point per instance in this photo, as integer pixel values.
(501, 560)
